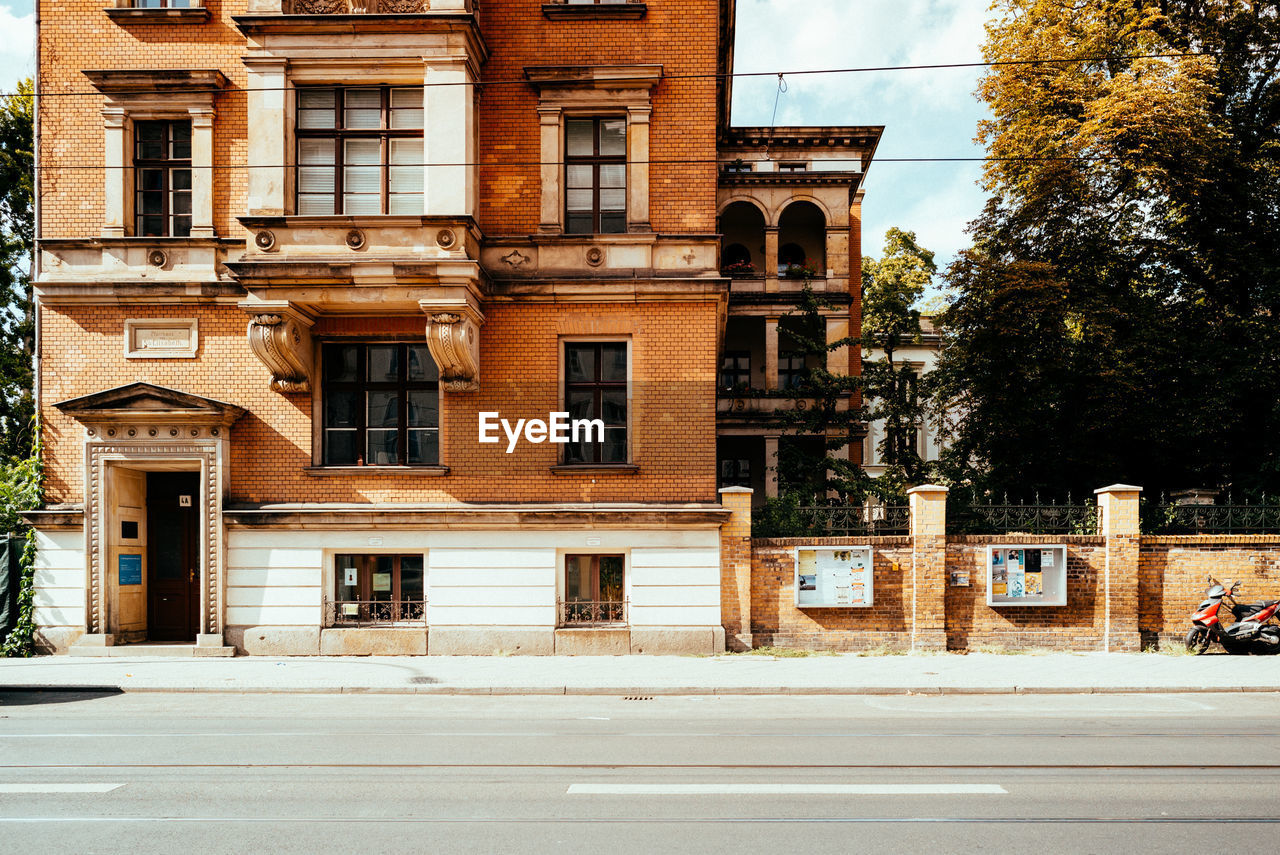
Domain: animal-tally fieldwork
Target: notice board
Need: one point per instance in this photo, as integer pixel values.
(833, 577)
(1029, 574)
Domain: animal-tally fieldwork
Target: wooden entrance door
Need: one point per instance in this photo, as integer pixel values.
(173, 556)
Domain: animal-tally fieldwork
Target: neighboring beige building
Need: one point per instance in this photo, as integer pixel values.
(922, 356)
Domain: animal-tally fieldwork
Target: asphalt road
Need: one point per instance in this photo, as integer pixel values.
(178, 773)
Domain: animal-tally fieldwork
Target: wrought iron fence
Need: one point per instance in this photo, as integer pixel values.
(592, 612)
(1165, 517)
(358, 613)
(1023, 518)
(835, 520)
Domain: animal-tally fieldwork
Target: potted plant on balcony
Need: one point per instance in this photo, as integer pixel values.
(739, 269)
(803, 270)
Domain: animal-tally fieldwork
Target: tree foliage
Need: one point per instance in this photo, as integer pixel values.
(823, 412)
(17, 229)
(1118, 315)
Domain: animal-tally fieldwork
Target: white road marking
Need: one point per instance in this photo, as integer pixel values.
(59, 788)
(784, 789)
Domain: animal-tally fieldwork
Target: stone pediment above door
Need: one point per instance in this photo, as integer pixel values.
(144, 410)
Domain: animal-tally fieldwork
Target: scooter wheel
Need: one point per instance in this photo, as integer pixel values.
(1198, 640)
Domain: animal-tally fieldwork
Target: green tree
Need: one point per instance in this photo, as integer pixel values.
(1116, 315)
(17, 229)
(892, 287)
(823, 420)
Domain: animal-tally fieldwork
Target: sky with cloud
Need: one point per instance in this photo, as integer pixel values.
(925, 113)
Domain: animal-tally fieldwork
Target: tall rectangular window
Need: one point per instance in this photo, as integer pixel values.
(595, 387)
(162, 172)
(360, 151)
(595, 176)
(381, 405)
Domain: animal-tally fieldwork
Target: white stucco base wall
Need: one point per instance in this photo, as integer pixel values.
(487, 591)
(59, 589)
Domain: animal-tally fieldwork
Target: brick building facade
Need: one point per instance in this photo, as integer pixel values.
(291, 253)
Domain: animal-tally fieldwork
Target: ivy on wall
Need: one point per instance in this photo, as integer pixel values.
(20, 491)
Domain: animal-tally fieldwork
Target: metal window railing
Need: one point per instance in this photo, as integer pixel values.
(361, 613)
(592, 612)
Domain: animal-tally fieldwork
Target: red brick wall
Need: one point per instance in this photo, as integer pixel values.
(679, 35)
(673, 405)
(1172, 571)
(775, 619)
(1075, 626)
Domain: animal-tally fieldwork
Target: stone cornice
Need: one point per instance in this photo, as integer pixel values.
(593, 76)
(142, 81)
(474, 517)
(791, 179)
(835, 136)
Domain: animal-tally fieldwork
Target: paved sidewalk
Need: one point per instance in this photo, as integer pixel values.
(654, 675)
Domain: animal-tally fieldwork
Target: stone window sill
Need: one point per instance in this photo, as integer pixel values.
(594, 469)
(121, 15)
(593, 11)
(357, 471)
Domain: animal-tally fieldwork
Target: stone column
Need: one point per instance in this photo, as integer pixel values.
(1118, 523)
(201, 172)
(855, 281)
(735, 568)
(269, 149)
(771, 354)
(116, 174)
(838, 360)
(638, 169)
(771, 258)
(928, 619)
(771, 467)
(449, 141)
(552, 177)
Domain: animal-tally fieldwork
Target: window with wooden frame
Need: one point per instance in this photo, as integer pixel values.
(162, 173)
(378, 589)
(594, 590)
(735, 370)
(381, 405)
(595, 387)
(596, 176)
(360, 150)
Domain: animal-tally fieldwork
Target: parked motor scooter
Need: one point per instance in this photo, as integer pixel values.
(1251, 632)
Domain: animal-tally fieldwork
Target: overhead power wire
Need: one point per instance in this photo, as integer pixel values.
(521, 81)
(220, 167)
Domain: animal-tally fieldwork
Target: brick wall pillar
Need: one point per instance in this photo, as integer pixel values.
(1118, 523)
(735, 568)
(928, 618)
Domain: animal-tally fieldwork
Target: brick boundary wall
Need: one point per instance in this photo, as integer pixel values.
(1125, 592)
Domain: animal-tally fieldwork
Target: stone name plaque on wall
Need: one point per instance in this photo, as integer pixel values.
(160, 338)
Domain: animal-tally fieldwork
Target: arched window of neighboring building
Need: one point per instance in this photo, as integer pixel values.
(736, 253)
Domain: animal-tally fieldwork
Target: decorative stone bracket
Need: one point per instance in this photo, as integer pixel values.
(453, 337)
(280, 336)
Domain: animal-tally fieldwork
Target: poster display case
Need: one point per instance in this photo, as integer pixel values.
(1026, 575)
(833, 577)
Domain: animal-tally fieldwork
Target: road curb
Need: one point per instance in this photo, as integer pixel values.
(638, 691)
